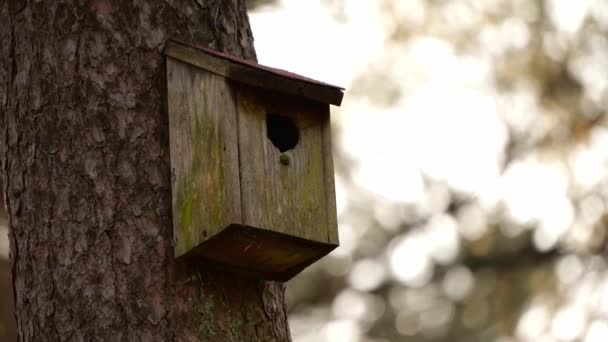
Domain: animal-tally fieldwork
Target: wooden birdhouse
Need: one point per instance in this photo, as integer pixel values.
(251, 162)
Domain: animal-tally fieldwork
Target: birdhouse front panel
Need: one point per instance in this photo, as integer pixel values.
(251, 164)
(282, 165)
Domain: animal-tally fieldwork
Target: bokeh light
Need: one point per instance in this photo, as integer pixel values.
(471, 161)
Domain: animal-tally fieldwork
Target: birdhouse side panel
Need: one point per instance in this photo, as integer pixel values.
(204, 155)
(330, 186)
(282, 191)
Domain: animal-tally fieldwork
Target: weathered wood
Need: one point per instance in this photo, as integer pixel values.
(252, 194)
(272, 217)
(290, 198)
(330, 186)
(236, 202)
(204, 155)
(260, 252)
(254, 74)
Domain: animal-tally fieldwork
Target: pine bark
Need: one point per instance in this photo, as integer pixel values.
(85, 164)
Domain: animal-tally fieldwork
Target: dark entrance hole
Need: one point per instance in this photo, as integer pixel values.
(282, 132)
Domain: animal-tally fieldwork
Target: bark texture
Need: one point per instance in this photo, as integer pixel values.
(7, 320)
(85, 160)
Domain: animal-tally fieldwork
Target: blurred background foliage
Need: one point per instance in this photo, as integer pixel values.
(471, 155)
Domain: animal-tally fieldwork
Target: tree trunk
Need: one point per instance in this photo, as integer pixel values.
(7, 320)
(85, 160)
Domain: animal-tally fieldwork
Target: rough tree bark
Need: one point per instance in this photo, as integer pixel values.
(7, 322)
(84, 149)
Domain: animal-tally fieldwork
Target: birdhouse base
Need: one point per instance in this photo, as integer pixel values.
(259, 252)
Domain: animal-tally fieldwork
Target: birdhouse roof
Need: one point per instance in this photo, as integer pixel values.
(254, 74)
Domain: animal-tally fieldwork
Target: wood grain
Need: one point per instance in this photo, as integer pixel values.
(257, 76)
(330, 186)
(237, 200)
(260, 252)
(288, 199)
(204, 155)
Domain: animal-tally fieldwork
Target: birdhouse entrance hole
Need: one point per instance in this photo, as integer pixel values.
(282, 132)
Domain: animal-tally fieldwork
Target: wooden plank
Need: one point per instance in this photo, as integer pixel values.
(260, 252)
(288, 199)
(254, 75)
(330, 186)
(204, 155)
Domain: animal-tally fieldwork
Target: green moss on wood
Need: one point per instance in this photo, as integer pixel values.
(201, 218)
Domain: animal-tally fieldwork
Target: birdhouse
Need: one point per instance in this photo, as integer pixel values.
(251, 163)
